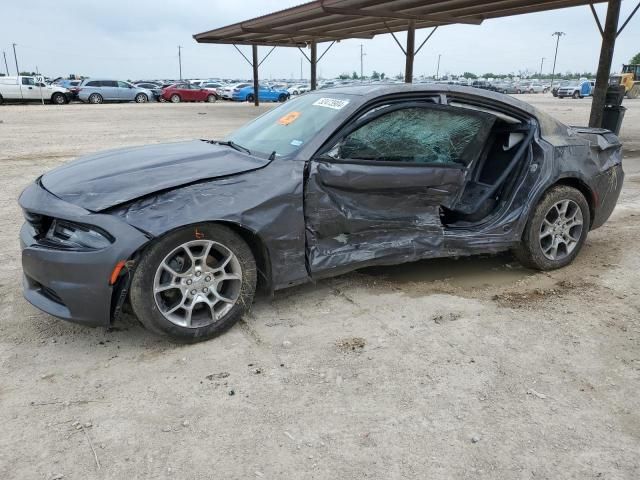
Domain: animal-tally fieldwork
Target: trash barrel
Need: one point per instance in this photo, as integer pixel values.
(612, 118)
(614, 96)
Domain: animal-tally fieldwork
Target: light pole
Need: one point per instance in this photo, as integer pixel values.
(180, 60)
(438, 67)
(541, 64)
(16, 59)
(362, 54)
(555, 57)
(4, 54)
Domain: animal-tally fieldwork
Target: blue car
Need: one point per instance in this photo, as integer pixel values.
(265, 94)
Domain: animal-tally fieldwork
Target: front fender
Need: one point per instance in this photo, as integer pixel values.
(267, 202)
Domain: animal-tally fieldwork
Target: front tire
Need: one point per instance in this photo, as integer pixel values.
(250, 97)
(194, 283)
(556, 230)
(175, 98)
(141, 98)
(212, 99)
(58, 99)
(576, 95)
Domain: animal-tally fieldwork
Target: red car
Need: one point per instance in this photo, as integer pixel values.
(185, 92)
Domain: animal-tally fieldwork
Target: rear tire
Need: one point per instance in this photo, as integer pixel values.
(212, 99)
(634, 92)
(1, 100)
(95, 98)
(217, 255)
(250, 97)
(547, 228)
(141, 98)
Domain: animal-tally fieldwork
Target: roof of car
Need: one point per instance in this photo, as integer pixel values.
(376, 90)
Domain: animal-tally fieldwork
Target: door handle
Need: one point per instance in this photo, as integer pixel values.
(30, 88)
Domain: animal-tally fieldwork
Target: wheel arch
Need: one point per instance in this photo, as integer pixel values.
(582, 187)
(256, 244)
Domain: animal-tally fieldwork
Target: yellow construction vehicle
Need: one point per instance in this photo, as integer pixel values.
(629, 78)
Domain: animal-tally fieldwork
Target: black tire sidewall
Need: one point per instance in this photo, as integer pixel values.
(143, 301)
(57, 95)
(142, 95)
(530, 251)
(175, 95)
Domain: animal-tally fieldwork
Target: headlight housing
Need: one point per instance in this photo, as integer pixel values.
(74, 236)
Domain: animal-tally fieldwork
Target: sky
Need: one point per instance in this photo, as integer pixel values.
(138, 40)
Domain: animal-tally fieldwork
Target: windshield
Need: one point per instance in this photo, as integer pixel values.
(287, 128)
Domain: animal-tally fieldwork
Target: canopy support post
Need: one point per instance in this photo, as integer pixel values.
(410, 52)
(256, 88)
(314, 63)
(609, 35)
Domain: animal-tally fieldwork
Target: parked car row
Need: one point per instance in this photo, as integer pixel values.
(97, 90)
(512, 87)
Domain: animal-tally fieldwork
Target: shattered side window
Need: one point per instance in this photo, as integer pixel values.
(417, 135)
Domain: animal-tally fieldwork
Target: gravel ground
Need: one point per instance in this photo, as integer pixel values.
(469, 369)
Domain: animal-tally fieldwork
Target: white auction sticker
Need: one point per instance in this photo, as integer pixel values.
(334, 103)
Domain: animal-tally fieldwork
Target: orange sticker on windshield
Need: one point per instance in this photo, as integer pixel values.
(289, 118)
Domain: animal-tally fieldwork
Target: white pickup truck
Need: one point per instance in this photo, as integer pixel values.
(32, 89)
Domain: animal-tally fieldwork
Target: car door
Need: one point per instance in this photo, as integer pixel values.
(29, 89)
(126, 92)
(109, 90)
(374, 194)
(190, 92)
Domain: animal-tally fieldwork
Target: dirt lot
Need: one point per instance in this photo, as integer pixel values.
(448, 369)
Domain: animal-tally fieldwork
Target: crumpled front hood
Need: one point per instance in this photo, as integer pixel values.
(97, 182)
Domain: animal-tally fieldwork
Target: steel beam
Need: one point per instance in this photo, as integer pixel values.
(380, 13)
(410, 52)
(256, 89)
(314, 63)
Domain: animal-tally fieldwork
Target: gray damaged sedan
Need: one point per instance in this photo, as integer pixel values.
(326, 183)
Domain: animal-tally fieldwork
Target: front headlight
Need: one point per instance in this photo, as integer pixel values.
(70, 235)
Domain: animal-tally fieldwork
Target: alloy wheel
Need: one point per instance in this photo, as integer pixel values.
(197, 283)
(561, 230)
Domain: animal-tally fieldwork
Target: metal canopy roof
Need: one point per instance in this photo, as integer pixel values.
(329, 20)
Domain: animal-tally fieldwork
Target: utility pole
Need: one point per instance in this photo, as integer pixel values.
(555, 57)
(180, 60)
(438, 68)
(362, 54)
(16, 59)
(4, 54)
(541, 64)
